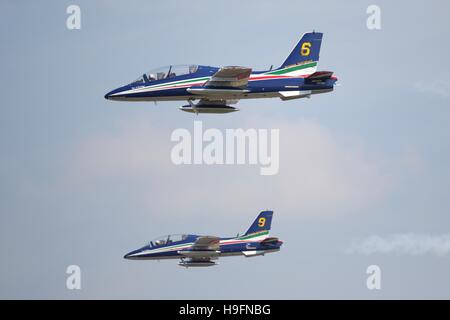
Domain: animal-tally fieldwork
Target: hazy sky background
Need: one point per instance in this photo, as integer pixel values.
(364, 171)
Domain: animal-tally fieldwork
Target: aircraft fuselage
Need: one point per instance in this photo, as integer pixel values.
(263, 84)
(228, 247)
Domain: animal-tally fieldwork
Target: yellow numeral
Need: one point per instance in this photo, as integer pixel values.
(261, 222)
(306, 49)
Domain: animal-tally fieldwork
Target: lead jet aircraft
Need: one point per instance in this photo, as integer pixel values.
(200, 251)
(215, 88)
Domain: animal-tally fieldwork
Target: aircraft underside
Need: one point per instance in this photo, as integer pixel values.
(220, 103)
(191, 260)
(276, 94)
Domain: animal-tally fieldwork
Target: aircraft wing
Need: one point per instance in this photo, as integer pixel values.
(200, 254)
(228, 83)
(206, 243)
(230, 77)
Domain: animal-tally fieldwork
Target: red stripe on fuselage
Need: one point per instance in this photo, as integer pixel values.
(256, 78)
(274, 77)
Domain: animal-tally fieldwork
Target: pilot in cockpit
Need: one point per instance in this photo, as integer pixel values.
(160, 75)
(192, 69)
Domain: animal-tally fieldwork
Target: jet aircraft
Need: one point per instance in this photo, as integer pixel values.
(216, 88)
(200, 251)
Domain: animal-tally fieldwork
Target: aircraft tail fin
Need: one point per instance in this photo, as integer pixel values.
(262, 223)
(307, 49)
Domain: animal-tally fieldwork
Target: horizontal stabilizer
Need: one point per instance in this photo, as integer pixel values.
(270, 240)
(320, 75)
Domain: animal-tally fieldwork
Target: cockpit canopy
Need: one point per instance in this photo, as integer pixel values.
(166, 240)
(166, 72)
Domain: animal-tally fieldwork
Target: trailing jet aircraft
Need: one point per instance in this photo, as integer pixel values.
(199, 251)
(216, 88)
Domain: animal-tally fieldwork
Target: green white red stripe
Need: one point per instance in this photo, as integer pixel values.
(296, 71)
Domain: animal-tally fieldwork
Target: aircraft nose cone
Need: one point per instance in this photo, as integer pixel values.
(112, 95)
(131, 255)
(108, 95)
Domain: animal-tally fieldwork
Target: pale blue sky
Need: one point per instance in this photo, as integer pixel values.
(84, 180)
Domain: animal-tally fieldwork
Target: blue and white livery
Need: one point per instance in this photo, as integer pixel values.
(216, 88)
(200, 251)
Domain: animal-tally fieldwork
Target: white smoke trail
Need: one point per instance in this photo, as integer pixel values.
(408, 243)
